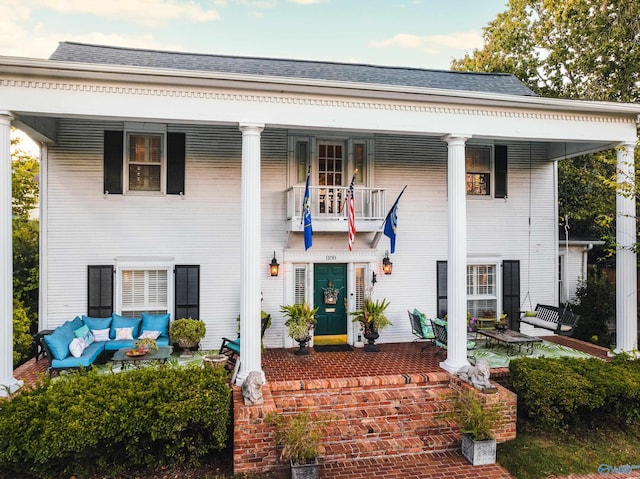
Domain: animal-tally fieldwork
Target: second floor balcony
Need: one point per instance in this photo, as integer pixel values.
(329, 211)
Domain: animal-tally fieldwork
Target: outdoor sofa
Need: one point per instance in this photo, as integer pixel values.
(84, 340)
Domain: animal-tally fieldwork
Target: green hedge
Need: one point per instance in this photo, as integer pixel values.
(85, 423)
(558, 393)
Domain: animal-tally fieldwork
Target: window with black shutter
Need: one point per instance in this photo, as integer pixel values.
(441, 268)
(187, 291)
(139, 166)
(500, 181)
(100, 291)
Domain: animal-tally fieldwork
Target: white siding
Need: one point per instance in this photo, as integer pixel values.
(85, 227)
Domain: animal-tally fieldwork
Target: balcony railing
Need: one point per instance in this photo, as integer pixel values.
(328, 211)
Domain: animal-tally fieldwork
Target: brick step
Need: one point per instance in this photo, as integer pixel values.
(354, 398)
(370, 449)
(386, 428)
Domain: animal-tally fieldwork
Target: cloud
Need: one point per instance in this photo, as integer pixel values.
(145, 12)
(432, 44)
(307, 2)
(259, 3)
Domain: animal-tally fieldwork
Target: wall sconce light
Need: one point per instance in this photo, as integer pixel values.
(387, 265)
(274, 266)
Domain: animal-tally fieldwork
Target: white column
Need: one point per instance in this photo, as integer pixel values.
(626, 269)
(457, 256)
(250, 270)
(8, 384)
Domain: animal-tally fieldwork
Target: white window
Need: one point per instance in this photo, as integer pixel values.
(478, 167)
(145, 162)
(482, 299)
(144, 287)
(300, 279)
(361, 271)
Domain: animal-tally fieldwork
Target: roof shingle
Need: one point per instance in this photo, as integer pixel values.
(331, 71)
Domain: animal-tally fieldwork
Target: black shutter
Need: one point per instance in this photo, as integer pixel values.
(442, 288)
(511, 292)
(187, 283)
(100, 289)
(501, 171)
(113, 151)
(176, 144)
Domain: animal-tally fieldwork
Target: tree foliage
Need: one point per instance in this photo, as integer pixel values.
(25, 196)
(581, 49)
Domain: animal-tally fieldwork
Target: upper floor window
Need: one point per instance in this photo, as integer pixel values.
(145, 162)
(486, 169)
(478, 167)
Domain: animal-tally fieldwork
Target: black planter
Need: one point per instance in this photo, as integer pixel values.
(303, 350)
(371, 336)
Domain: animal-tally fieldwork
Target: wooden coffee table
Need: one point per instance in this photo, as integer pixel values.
(159, 356)
(510, 339)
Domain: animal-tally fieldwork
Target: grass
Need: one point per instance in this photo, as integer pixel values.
(536, 455)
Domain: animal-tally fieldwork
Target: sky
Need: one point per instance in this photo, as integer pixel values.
(410, 33)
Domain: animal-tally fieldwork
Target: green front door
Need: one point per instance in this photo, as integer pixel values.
(331, 316)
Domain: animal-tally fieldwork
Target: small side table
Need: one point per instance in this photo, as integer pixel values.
(37, 340)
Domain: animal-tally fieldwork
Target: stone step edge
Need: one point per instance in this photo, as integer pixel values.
(432, 378)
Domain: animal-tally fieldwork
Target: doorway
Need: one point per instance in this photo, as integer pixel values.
(330, 296)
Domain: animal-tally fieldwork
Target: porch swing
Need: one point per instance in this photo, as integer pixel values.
(561, 321)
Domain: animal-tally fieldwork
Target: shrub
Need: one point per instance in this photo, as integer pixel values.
(596, 305)
(22, 340)
(559, 393)
(84, 423)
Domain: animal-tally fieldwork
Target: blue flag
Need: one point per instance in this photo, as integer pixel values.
(391, 222)
(306, 216)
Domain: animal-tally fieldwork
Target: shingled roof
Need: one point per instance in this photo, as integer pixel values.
(349, 72)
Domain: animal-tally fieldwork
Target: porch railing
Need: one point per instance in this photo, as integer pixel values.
(328, 209)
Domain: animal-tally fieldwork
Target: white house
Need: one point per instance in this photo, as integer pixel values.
(171, 180)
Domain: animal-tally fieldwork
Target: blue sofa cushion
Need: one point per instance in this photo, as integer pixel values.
(97, 323)
(113, 345)
(85, 333)
(76, 323)
(58, 342)
(124, 322)
(155, 322)
(89, 355)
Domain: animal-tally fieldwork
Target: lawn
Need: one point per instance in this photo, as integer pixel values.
(537, 455)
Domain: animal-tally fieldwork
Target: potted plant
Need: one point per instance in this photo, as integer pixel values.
(145, 344)
(476, 420)
(299, 438)
(300, 321)
(187, 332)
(373, 320)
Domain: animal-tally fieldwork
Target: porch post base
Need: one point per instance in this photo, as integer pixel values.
(453, 367)
(10, 386)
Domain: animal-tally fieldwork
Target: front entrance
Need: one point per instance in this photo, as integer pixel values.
(330, 296)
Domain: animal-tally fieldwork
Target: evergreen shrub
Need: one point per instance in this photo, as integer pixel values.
(84, 423)
(559, 393)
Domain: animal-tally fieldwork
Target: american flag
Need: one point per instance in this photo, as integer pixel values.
(351, 211)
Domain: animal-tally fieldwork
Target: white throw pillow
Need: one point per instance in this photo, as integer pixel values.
(77, 346)
(100, 334)
(149, 334)
(124, 333)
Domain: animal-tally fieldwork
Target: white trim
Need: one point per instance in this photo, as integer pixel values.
(60, 69)
(43, 292)
(144, 264)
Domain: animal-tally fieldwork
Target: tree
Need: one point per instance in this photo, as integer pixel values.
(25, 196)
(582, 49)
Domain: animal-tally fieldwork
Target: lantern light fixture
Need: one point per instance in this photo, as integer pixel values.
(274, 267)
(387, 265)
